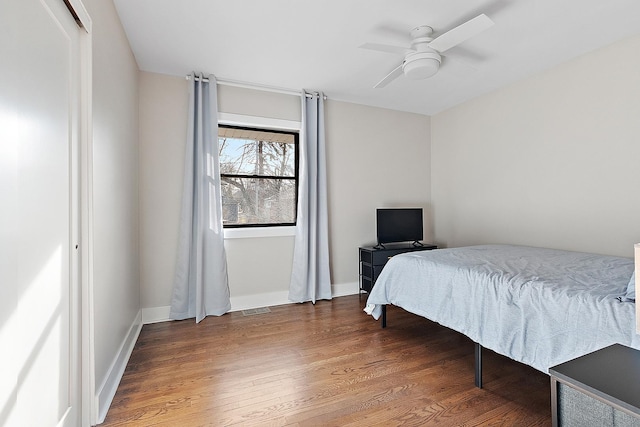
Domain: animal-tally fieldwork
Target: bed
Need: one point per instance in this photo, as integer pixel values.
(537, 306)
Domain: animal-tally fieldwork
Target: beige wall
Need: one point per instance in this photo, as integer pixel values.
(116, 291)
(237, 100)
(375, 158)
(550, 161)
(163, 129)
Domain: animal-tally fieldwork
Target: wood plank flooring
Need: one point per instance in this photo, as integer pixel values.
(323, 365)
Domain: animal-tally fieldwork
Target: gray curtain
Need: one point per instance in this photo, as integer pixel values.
(310, 278)
(200, 285)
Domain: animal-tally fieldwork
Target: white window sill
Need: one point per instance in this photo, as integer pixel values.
(255, 232)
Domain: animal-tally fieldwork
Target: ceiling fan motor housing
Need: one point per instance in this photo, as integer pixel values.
(422, 60)
(421, 65)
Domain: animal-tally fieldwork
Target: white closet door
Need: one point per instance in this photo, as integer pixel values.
(40, 296)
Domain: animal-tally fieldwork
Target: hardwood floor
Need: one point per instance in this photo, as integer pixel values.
(323, 365)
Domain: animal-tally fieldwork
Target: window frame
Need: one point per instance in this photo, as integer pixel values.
(296, 137)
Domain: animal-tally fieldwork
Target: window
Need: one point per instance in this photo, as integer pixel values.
(259, 176)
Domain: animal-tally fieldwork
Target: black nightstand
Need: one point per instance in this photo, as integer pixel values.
(598, 389)
(372, 260)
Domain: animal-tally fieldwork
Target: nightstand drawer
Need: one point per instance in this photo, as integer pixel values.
(371, 271)
(367, 270)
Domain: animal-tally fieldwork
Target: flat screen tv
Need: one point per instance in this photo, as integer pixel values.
(394, 225)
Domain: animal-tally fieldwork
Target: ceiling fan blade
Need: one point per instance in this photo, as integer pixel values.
(461, 33)
(387, 48)
(397, 72)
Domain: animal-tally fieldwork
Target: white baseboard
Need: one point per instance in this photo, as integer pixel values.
(109, 386)
(344, 289)
(267, 299)
(155, 314)
(247, 302)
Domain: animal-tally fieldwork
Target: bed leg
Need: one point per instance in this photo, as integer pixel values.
(478, 354)
(384, 316)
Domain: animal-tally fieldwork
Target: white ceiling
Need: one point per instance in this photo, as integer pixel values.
(313, 44)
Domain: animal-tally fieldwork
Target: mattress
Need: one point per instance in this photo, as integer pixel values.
(537, 306)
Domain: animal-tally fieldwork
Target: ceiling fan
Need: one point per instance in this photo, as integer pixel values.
(423, 58)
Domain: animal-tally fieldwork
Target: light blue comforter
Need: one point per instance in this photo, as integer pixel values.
(538, 306)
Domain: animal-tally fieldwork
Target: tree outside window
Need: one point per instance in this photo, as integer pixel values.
(259, 171)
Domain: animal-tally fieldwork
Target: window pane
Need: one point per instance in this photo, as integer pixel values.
(258, 201)
(257, 157)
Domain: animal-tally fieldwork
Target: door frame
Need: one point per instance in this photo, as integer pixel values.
(83, 187)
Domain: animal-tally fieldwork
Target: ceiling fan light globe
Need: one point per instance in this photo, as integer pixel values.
(421, 65)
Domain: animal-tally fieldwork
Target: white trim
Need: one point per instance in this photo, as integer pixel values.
(247, 302)
(267, 299)
(344, 289)
(232, 119)
(109, 386)
(253, 232)
(88, 387)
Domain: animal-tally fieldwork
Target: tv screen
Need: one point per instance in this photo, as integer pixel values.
(398, 225)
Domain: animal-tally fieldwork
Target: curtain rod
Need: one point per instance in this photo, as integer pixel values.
(265, 88)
